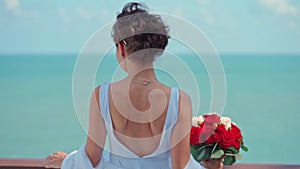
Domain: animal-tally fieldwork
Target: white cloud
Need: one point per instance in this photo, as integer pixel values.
(281, 6)
(15, 8)
(11, 4)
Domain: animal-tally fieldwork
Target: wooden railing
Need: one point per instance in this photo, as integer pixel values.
(38, 164)
(11, 163)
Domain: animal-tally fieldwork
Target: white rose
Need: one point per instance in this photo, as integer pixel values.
(226, 121)
(196, 121)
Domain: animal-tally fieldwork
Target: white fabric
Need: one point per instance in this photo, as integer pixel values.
(120, 157)
(79, 160)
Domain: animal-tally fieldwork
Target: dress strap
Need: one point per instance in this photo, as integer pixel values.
(172, 113)
(171, 120)
(104, 104)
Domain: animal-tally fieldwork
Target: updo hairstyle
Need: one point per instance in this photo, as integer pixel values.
(139, 30)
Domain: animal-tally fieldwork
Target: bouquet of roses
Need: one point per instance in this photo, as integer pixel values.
(214, 137)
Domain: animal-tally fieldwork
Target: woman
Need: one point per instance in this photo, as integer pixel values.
(147, 123)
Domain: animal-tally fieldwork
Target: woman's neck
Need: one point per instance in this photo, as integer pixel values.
(141, 71)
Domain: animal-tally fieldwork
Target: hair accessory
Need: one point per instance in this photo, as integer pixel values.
(124, 42)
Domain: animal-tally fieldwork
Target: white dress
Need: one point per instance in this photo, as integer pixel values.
(119, 156)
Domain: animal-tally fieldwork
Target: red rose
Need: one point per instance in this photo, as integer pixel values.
(195, 135)
(202, 124)
(237, 144)
(221, 129)
(217, 137)
(210, 140)
(212, 118)
(227, 140)
(236, 131)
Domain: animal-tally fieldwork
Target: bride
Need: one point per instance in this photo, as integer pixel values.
(147, 123)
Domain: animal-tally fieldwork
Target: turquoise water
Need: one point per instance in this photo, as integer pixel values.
(37, 115)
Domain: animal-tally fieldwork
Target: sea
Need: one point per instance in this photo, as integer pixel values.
(37, 115)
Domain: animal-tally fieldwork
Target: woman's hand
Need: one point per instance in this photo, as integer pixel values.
(55, 160)
(213, 164)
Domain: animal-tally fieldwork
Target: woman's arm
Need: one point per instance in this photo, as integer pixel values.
(97, 133)
(180, 142)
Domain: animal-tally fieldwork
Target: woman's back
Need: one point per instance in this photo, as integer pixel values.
(134, 144)
(127, 130)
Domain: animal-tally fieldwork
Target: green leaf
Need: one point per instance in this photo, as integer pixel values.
(244, 148)
(198, 152)
(207, 153)
(217, 154)
(231, 150)
(237, 156)
(201, 155)
(194, 151)
(229, 160)
(201, 152)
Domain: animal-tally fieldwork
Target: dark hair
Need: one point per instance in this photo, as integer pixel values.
(137, 29)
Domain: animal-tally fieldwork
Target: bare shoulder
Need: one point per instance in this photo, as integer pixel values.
(95, 94)
(185, 105)
(96, 90)
(118, 86)
(184, 99)
(184, 96)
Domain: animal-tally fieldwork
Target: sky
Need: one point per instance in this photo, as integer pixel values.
(233, 26)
